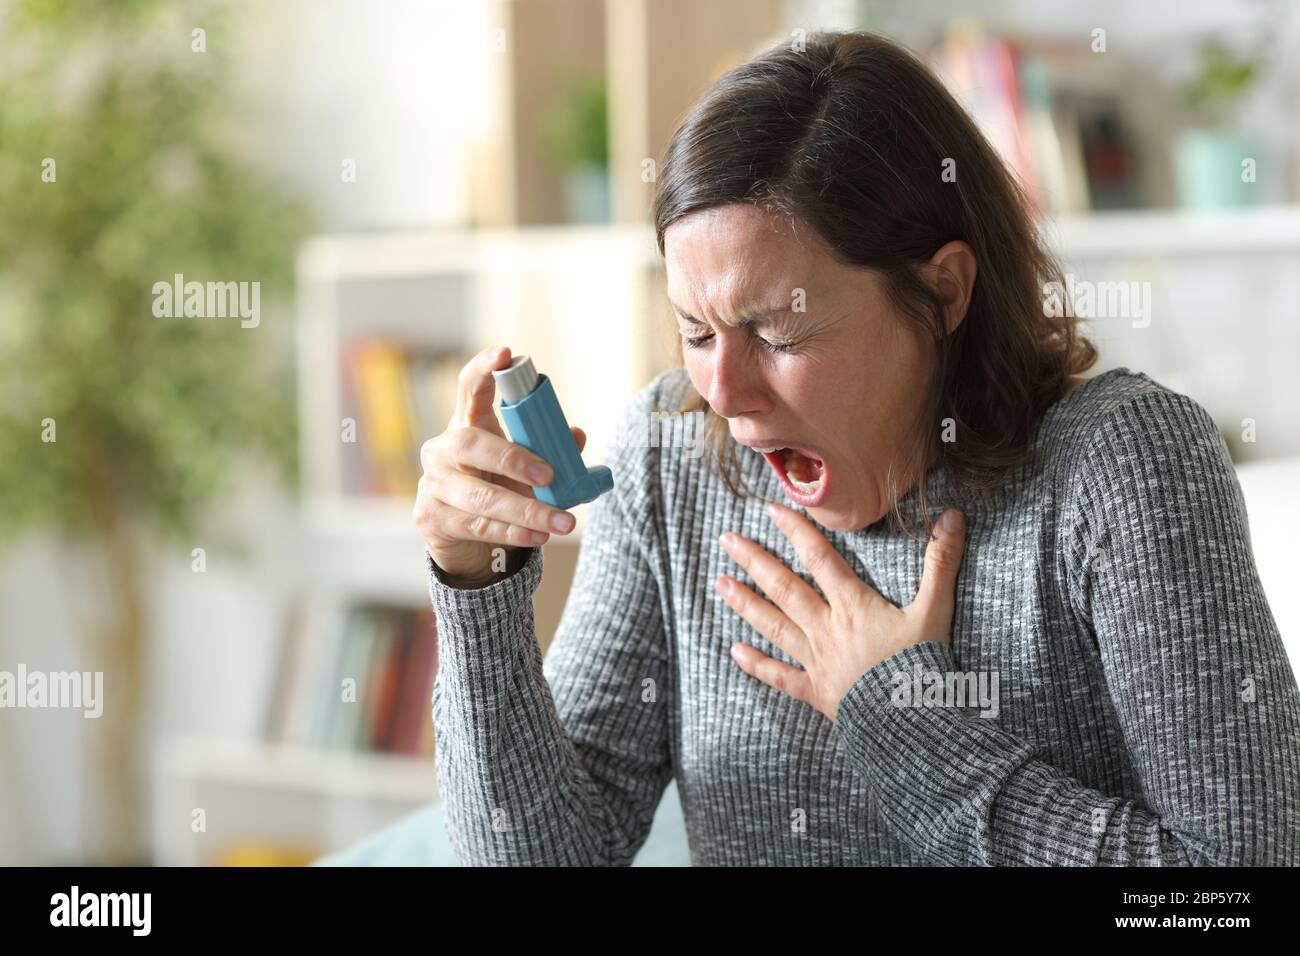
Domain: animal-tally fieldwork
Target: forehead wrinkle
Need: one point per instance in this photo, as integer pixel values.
(738, 296)
(730, 279)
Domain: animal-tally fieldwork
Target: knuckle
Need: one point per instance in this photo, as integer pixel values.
(467, 374)
(429, 453)
(509, 461)
(478, 526)
(817, 560)
(942, 555)
(462, 442)
(522, 536)
(483, 498)
(781, 591)
(538, 515)
(425, 501)
(433, 522)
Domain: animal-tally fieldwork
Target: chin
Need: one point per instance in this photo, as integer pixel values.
(834, 518)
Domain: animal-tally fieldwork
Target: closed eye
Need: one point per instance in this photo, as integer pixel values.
(702, 340)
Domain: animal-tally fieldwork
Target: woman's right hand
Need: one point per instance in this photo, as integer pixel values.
(475, 495)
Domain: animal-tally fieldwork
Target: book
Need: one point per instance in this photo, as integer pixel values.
(346, 715)
(415, 702)
(386, 425)
(386, 675)
(399, 398)
(389, 652)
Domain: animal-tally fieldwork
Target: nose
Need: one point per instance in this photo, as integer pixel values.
(735, 386)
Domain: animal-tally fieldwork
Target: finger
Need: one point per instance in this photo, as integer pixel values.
(475, 389)
(824, 563)
(463, 526)
(765, 618)
(934, 598)
(478, 497)
(782, 586)
(579, 436)
(490, 453)
(786, 679)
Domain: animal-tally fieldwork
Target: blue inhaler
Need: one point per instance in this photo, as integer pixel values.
(534, 420)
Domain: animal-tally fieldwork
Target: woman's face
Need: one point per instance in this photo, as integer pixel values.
(795, 349)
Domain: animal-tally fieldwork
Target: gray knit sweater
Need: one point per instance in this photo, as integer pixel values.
(1145, 711)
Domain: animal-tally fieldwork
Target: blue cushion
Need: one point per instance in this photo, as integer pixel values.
(420, 839)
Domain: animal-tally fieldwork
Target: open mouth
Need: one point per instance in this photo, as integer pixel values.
(802, 473)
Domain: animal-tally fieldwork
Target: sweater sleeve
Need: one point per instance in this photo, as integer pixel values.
(561, 762)
(1195, 671)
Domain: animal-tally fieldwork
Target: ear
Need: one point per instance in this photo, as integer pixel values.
(954, 269)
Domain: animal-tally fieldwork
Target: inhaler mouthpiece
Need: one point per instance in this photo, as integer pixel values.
(517, 381)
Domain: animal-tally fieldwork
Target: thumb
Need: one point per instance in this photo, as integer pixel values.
(934, 598)
(579, 436)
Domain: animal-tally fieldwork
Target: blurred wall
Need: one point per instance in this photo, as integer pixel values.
(323, 81)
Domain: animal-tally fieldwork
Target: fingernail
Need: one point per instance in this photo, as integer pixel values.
(539, 474)
(950, 521)
(724, 585)
(724, 539)
(562, 522)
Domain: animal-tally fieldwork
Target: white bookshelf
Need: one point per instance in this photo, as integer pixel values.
(586, 302)
(315, 800)
(576, 299)
(1220, 291)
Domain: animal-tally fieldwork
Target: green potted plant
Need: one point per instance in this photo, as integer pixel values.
(575, 132)
(121, 426)
(1214, 162)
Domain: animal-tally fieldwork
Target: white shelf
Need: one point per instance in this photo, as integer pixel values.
(352, 517)
(384, 520)
(370, 550)
(278, 796)
(279, 767)
(1171, 232)
(341, 257)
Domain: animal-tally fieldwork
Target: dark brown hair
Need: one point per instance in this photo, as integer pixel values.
(851, 134)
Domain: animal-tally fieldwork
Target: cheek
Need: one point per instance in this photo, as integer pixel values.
(887, 366)
(697, 369)
(806, 385)
(905, 346)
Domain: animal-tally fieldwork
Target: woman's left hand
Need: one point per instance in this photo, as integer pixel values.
(839, 641)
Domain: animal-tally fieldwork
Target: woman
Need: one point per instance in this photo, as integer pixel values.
(1075, 664)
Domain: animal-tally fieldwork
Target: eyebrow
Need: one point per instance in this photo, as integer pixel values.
(748, 319)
